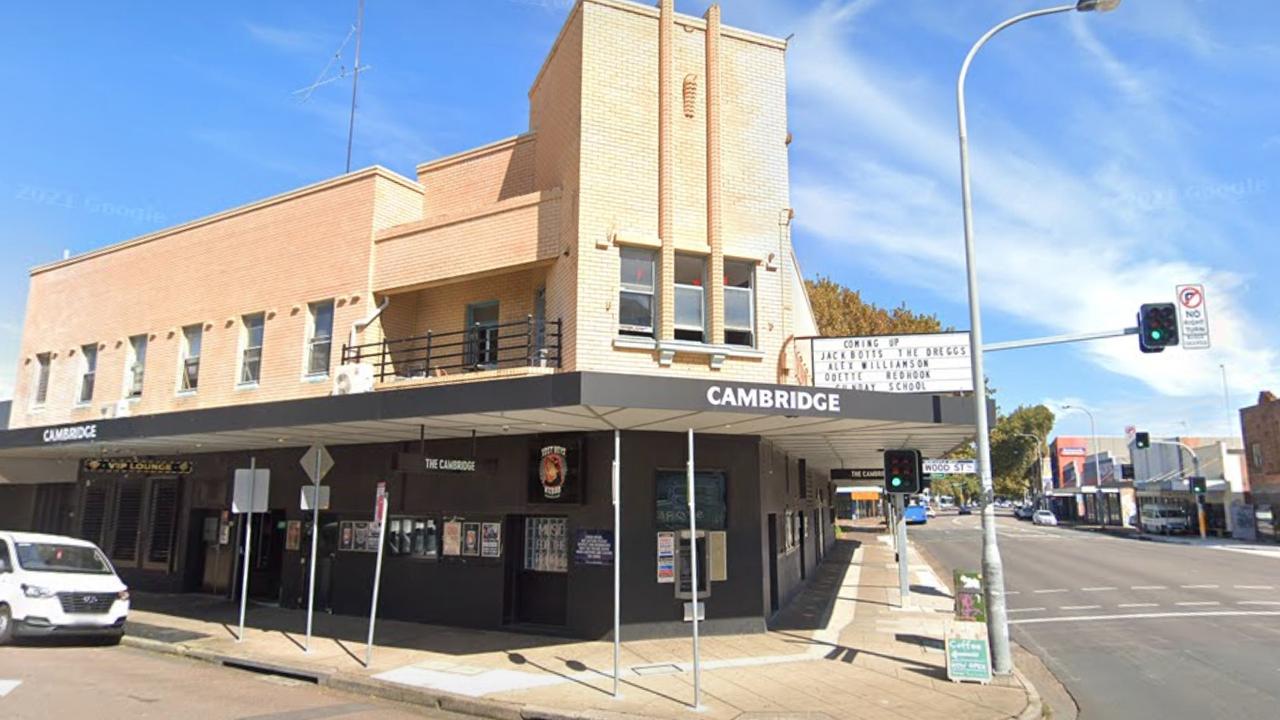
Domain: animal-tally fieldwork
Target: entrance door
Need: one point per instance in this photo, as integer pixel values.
(803, 537)
(326, 553)
(773, 563)
(266, 555)
(541, 590)
(482, 335)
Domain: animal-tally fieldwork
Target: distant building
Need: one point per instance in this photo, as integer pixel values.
(1261, 424)
(1068, 455)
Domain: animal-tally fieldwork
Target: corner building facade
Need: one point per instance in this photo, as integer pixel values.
(486, 341)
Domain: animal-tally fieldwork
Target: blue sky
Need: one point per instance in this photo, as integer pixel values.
(1114, 156)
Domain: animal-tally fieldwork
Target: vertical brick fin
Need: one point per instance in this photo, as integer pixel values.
(715, 232)
(666, 171)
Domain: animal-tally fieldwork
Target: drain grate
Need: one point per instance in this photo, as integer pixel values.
(660, 669)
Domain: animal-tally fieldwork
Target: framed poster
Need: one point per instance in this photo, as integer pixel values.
(671, 499)
(666, 558)
(346, 538)
(491, 540)
(361, 543)
(546, 546)
(293, 535)
(555, 475)
(471, 539)
(453, 537)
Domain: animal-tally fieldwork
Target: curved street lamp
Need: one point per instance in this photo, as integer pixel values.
(992, 567)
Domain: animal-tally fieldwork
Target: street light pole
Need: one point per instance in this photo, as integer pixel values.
(992, 567)
(1097, 452)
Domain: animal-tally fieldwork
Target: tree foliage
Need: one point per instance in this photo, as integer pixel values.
(840, 311)
(1013, 456)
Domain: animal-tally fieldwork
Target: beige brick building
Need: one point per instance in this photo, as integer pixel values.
(653, 136)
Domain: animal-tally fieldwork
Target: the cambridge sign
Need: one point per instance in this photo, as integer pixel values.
(434, 464)
(767, 398)
(71, 433)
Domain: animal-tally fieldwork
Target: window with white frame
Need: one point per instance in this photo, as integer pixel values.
(251, 352)
(636, 292)
(739, 303)
(319, 338)
(192, 340)
(691, 297)
(88, 372)
(136, 366)
(43, 361)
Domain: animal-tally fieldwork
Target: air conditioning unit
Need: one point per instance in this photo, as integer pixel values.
(353, 378)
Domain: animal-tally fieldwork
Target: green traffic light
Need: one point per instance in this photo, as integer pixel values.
(896, 481)
(1155, 334)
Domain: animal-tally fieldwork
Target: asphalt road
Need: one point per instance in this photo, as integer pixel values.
(62, 681)
(1134, 629)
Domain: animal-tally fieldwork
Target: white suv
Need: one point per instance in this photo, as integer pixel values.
(52, 585)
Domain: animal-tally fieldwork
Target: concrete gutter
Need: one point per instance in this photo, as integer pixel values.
(355, 684)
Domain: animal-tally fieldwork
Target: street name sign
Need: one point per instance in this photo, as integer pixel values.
(1193, 317)
(950, 467)
(917, 363)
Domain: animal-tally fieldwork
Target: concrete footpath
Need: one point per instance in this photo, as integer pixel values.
(842, 649)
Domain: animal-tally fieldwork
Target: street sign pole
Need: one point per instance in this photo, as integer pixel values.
(315, 534)
(248, 543)
(380, 516)
(904, 582)
(617, 555)
(693, 577)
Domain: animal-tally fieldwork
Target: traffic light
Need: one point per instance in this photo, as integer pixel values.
(1157, 327)
(1142, 440)
(1197, 484)
(902, 471)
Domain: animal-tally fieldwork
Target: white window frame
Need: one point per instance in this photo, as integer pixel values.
(185, 357)
(750, 292)
(43, 373)
(87, 373)
(702, 299)
(625, 288)
(135, 371)
(310, 340)
(245, 348)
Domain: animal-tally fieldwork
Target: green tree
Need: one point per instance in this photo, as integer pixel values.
(840, 311)
(1013, 454)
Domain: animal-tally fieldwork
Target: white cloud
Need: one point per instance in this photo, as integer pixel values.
(286, 40)
(883, 186)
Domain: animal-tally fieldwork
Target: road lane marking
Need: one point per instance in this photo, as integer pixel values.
(1148, 587)
(7, 686)
(1259, 602)
(1079, 607)
(1193, 604)
(1129, 605)
(1199, 587)
(1254, 587)
(1096, 589)
(1014, 610)
(1011, 592)
(1148, 616)
(1054, 590)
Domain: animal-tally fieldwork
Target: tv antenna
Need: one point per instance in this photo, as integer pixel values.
(327, 75)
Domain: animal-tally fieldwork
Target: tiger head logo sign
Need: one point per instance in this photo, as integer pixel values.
(552, 467)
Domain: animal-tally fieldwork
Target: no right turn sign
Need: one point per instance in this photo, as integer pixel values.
(1193, 317)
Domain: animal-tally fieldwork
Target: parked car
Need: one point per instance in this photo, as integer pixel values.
(53, 585)
(965, 510)
(1024, 512)
(1044, 517)
(1164, 519)
(915, 515)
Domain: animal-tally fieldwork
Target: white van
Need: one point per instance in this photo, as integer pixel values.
(1164, 519)
(52, 585)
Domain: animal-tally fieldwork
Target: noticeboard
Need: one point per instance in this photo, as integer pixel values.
(671, 499)
(593, 547)
(912, 363)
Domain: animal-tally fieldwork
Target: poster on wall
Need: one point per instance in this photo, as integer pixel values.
(357, 536)
(491, 540)
(671, 499)
(471, 539)
(453, 537)
(346, 536)
(666, 557)
(293, 535)
(593, 547)
(554, 474)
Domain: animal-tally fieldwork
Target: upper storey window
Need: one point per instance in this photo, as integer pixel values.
(691, 298)
(251, 352)
(636, 294)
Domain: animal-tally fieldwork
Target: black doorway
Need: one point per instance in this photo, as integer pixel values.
(773, 563)
(803, 536)
(537, 571)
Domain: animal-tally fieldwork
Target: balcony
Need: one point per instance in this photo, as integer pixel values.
(497, 349)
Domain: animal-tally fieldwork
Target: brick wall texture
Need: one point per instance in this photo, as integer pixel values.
(545, 212)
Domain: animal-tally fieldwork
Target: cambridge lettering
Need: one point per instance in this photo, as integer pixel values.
(71, 433)
(773, 398)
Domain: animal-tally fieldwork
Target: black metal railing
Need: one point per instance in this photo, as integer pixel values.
(523, 343)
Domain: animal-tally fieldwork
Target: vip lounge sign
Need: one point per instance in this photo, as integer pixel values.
(138, 466)
(917, 363)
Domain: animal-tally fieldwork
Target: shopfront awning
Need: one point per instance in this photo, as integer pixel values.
(830, 428)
